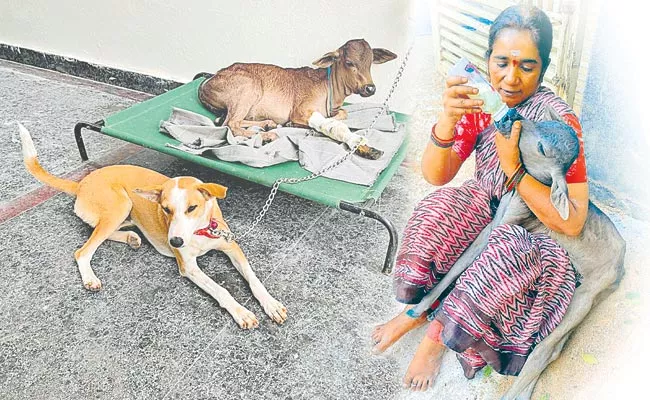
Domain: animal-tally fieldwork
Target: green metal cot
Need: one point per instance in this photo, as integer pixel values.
(140, 123)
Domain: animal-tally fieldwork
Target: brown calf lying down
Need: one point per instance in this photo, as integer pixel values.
(267, 95)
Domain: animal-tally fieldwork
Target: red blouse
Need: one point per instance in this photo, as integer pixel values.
(470, 125)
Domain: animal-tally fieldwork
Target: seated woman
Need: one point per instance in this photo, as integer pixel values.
(517, 291)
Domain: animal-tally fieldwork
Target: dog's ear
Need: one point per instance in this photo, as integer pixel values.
(560, 195)
(151, 193)
(327, 60)
(380, 56)
(212, 190)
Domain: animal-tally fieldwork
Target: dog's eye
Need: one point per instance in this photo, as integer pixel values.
(191, 208)
(349, 64)
(166, 210)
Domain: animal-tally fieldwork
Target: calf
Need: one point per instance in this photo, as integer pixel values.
(547, 149)
(268, 95)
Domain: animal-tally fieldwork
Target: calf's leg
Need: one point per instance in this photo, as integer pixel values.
(549, 349)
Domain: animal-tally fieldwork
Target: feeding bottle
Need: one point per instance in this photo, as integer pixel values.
(492, 103)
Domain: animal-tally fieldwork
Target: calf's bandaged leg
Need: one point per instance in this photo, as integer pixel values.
(337, 130)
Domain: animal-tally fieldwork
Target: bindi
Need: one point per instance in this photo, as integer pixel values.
(515, 53)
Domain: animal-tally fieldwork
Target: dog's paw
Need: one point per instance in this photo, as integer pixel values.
(245, 318)
(93, 285)
(275, 310)
(133, 240)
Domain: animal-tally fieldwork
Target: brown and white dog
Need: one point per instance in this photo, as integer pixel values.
(178, 216)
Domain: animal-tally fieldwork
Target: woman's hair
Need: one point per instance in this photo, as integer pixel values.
(531, 19)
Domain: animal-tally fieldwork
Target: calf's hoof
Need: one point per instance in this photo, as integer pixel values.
(268, 125)
(268, 137)
(368, 152)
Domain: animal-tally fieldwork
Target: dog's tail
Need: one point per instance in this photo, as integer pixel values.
(35, 168)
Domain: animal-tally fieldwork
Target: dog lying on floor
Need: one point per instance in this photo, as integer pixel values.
(180, 217)
(547, 150)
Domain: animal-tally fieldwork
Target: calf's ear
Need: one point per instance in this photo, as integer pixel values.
(380, 56)
(550, 114)
(560, 195)
(327, 59)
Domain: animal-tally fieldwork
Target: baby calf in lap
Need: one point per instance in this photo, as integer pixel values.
(547, 150)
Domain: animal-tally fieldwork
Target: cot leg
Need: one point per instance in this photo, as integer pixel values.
(97, 127)
(392, 232)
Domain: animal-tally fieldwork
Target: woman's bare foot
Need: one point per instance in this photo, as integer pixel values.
(385, 335)
(424, 367)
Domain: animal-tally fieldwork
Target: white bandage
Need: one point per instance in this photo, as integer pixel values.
(335, 129)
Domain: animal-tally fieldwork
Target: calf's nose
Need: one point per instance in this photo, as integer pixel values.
(369, 89)
(176, 241)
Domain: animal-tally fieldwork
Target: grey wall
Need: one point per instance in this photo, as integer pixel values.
(615, 110)
(175, 39)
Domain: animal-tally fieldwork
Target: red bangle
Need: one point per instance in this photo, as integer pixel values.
(509, 180)
(442, 143)
(519, 178)
(514, 180)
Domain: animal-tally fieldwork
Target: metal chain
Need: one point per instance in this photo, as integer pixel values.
(227, 235)
(384, 106)
(277, 183)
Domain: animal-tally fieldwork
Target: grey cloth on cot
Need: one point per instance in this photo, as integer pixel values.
(312, 150)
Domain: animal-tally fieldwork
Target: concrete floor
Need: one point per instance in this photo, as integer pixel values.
(151, 334)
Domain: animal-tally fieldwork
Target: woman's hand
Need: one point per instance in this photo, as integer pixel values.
(455, 101)
(440, 165)
(508, 149)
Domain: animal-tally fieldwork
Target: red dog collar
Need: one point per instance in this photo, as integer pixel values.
(208, 231)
